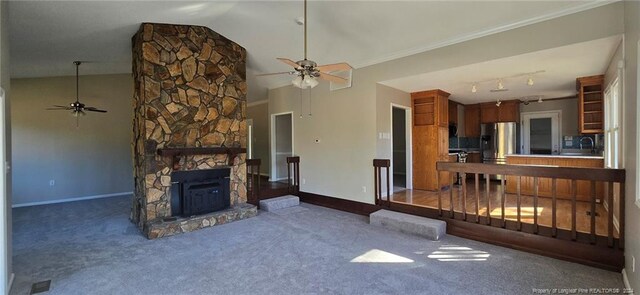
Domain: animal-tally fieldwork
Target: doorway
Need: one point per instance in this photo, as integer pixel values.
(541, 132)
(400, 148)
(281, 144)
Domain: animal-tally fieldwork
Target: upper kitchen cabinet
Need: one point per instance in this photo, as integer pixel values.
(430, 108)
(590, 104)
(453, 112)
(508, 111)
(472, 120)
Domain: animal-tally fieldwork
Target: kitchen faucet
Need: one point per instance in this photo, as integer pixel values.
(593, 147)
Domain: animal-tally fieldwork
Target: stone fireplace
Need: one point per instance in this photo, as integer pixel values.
(189, 129)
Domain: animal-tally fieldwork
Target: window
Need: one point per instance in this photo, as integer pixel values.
(612, 125)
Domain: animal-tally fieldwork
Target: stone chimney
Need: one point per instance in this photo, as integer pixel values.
(190, 92)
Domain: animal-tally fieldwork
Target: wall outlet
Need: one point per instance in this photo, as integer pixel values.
(364, 189)
(304, 181)
(52, 182)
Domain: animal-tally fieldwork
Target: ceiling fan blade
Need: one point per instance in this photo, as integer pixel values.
(289, 62)
(332, 78)
(343, 66)
(92, 109)
(271, 74)
(57, 108)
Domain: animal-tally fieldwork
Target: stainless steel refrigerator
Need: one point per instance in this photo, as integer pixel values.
(497, 141)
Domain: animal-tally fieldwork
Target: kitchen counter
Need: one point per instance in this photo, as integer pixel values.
(557, 156)
(564, 190)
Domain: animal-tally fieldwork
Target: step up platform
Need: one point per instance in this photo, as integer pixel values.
(279, 203)
(432, 229)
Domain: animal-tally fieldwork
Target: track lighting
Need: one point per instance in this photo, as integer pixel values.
(474, 89)
(530, 81)
(540, 99)
(500, 85)
(498, 103)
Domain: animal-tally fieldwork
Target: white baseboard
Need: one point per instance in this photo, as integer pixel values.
(625, 279)
(70, 200)
(11, 278)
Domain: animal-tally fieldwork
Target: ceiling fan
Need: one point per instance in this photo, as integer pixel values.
(307, 71)
(77, 108)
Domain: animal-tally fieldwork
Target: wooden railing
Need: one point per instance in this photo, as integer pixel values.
(378, 165)
(593, 175)
(253, 181)
(293, 175)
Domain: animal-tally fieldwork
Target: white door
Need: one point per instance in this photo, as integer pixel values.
(541, 132)
(281, 144)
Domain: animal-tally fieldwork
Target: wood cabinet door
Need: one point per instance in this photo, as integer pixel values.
(509, 112)
(488, 113)
(472, 120)
(443, 111)
(453, 112)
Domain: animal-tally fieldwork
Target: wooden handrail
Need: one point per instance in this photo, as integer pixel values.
(574, 174)
(577, 173)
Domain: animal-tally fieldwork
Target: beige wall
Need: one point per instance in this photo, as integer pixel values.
(612, 70)
(259, 113)
(5, 84)
(631, 112)
(346, 120)
(93, 159)
(569, 108)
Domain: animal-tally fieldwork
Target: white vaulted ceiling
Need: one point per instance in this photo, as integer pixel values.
(46, 36)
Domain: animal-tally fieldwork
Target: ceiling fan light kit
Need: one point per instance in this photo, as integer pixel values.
(77, 108)
(307, 71)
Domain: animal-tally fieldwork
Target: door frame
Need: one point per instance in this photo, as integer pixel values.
(272, 152)
(249, 138)
(555, 133)
(409, 145)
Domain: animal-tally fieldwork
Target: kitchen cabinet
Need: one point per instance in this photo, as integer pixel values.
(563, 186)
(590, 104)
(430, 137)
(453, 112)
(508, 111)
(472, 120)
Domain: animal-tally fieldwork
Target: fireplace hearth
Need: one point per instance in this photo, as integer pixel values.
(199, 191)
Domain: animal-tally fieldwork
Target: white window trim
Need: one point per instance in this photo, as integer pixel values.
(637, 96)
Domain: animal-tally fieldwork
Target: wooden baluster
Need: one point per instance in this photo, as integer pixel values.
(621, 214)
(439, 193)
(536, 188)
(554, 195)
(488, 196)
(574, 193)
(477, 183)
(388, 189)
(375, 184)
(288, 177)
(502, 200)
(593, 212)
(610, 214)
(298, 177)
(518, 202)
(451, 175)
(464, 196)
